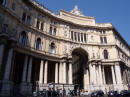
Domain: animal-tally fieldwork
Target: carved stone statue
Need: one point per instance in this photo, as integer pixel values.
(76, 11)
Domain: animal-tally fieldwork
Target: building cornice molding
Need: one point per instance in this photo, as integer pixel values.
(51, 14)
(61, 10)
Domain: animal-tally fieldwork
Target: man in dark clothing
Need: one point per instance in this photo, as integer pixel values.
(49, 93)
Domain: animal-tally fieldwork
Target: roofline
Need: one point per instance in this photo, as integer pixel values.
(58, 18)
(77, 15)
(120, 36)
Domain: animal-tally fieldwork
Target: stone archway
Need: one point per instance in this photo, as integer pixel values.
(79, 64)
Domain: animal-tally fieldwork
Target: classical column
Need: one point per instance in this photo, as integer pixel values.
(77, 36)
(104, 80)
(1, 53)
(97, 74)
(60, 73)
(56, 73)
(88, 77)
(41, 72)
(100, 75)
(64, 72)
(113, 75)
(80, 37)
(70, 73)
(70, 34)
(91, 73)
(40, 25)
(85, 79)
(94, 74)
(118, 74)
(29, 70)
(8, 64)
(25, 68)
(45, 72)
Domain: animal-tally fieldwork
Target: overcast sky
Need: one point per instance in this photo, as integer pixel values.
(116, 12)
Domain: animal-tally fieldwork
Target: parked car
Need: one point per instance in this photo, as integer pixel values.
(113, 94)
(125, 93)
(99, 93)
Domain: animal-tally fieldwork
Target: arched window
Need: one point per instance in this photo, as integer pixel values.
(3, 2)
(55, 31)
(38, 22)
(13, 6)
(50, 30)
(28, 20)
(42, 26)
(52, 48)
(105, 54)
(24, 17)
(38, 44)
(23, 38)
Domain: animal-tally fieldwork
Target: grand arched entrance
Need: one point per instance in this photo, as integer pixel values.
(79, 64)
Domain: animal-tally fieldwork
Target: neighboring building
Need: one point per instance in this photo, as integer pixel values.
(38, 47)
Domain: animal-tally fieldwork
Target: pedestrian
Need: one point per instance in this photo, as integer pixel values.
(69, 92)
(61, 92)
(49, 93)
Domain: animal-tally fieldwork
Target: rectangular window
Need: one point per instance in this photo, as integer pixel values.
(1, 18)
(75, 36)
(72, 35)
(82, 37)
(37, 24)
(85, 37)
(100, 32)
(28, 20)
(50, 30)
(105, 40)
(42, 25)
(78, 36)
(104, 32)
(13, 6)
(24, 17)
(101, 39)
(55, 31)
(3, 2)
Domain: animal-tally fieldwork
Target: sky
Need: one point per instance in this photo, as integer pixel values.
(116, 12)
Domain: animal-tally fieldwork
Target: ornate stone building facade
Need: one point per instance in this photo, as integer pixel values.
(66, 49)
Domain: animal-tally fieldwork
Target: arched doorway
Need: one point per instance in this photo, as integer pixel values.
(79, 64)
